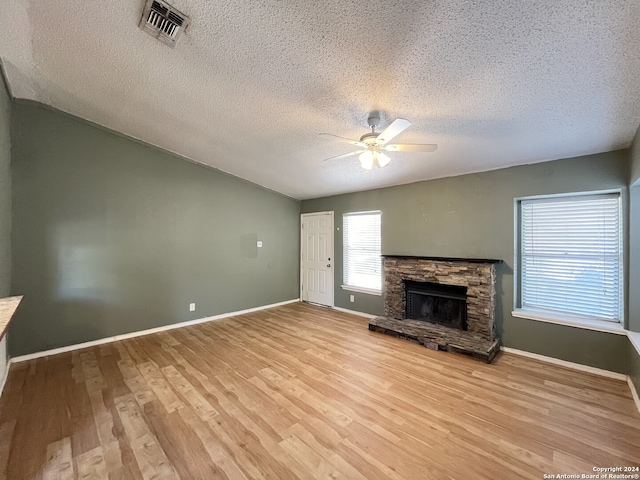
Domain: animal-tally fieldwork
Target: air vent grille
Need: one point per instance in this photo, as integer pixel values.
(163, 21)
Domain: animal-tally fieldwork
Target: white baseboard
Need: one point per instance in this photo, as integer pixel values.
(5, 376)
(102, 341)
(564, 363)
(634, 392)
(5, 363)
(354, 312)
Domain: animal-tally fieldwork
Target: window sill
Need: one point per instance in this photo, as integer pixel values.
(568, 320)
(369, 291)
(634, 338)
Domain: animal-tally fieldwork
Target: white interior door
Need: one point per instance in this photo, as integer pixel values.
(316, 272)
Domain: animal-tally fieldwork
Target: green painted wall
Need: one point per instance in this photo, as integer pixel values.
(5, 189)
(473, 216)
(5, 204)
(634, 369)
(634, 254)
(113, 236)
(634, 174)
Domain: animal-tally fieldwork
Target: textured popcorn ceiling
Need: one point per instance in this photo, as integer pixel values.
(250, 84)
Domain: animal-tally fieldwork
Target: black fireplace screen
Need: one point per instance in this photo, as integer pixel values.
(436, 303)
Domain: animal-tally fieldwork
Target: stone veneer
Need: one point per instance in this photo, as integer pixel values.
(478, 275)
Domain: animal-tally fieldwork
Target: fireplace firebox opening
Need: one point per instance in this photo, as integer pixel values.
(436, 303)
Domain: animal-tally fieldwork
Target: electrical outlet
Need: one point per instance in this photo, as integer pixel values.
(192, 307)
(259, 243)
(352, 298)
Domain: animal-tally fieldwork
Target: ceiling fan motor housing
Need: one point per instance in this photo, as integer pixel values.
(373, 121)
(369, 138)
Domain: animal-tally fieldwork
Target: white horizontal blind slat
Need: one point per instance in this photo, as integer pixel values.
(361, 250)
(571, 256)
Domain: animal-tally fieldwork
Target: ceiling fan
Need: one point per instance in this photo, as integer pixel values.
(372, 144)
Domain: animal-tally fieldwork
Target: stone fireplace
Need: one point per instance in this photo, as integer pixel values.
(442, 303)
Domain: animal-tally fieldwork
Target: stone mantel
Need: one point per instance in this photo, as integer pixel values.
(447, 259)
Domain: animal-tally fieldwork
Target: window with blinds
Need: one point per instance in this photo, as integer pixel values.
(571, 256)
(361, 250)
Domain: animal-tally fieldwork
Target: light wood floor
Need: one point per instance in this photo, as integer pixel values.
(305, 392)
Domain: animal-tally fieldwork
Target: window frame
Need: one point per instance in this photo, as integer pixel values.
(357, 288)
(566, 318)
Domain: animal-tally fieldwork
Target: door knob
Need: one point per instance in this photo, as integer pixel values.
(328, 265)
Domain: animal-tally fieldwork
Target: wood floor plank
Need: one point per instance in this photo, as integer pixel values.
(136, 383)
(305, 392)
(6, 433)
(151, 459)
(82, 427)
(160, 386)
(220, 458)
(105, 425)
(26, 457)
(91, 371)
(59, 464)
(180, 443)
(91, 465)
(200, 405)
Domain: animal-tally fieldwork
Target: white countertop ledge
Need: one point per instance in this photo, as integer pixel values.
(8, 307)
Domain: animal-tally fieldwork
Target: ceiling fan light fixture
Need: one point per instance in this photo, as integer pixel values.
(373, 158)
(366, 160)
(382, 159)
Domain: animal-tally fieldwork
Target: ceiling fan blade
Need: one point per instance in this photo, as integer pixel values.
(398, 126)
(407, 147)
(345, 155)
(343, 139)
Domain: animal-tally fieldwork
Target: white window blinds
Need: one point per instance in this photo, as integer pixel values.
(361, 250)
(571, 256)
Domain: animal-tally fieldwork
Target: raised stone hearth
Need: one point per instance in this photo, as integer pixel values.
(437, 337)
(477, 275)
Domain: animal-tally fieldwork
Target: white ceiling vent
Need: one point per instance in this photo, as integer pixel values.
(163, 21)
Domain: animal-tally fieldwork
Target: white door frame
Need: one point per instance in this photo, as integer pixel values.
(332, 253)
